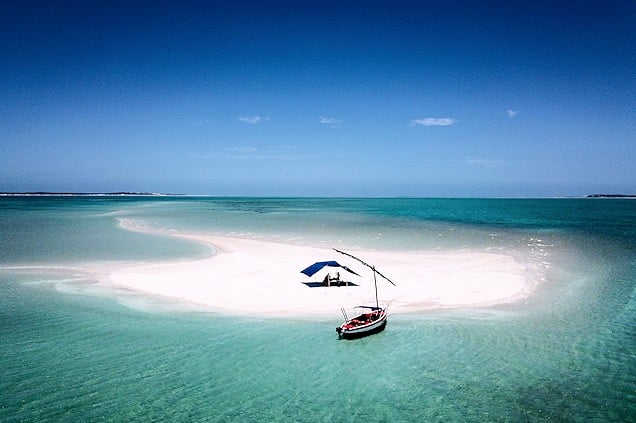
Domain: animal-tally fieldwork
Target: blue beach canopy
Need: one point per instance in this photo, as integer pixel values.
(314, 268)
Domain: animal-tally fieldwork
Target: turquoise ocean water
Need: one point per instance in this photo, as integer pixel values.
(75, 350)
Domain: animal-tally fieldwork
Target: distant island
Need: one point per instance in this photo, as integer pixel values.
(84, 194)
(611, 196)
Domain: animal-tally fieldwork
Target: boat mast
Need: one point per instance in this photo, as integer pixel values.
(375, 272)
(375, 282)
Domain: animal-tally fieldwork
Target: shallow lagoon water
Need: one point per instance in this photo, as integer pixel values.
(73, 350)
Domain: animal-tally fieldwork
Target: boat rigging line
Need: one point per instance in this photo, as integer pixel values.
(375, 282)
(366, 264)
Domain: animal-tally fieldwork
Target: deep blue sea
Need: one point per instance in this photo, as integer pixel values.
(75, 350)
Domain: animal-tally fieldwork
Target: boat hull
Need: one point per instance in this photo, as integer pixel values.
(354, 334)
(352, 330)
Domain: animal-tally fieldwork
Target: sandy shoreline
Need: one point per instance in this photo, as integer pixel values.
(257, 277)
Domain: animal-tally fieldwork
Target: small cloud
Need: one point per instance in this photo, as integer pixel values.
(242, 150)
(201, 123)
(328, 120)
(252, 119)
(432, 122)
(489, 163)
(512, 113)
(247, 152)
(471, 161)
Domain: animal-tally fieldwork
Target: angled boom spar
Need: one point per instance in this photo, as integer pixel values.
(366, 264)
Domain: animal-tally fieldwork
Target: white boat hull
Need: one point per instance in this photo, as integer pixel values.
(363, 325)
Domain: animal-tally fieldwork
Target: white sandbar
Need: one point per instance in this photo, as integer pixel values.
(257, 277)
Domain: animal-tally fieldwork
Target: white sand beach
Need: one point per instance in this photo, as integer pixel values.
(252, 277)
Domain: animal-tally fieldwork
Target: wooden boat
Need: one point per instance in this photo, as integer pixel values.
(366, 323)
(369, 322)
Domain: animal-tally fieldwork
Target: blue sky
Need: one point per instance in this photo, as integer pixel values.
(319, 98)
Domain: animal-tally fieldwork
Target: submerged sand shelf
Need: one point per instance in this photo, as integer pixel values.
(249, 276)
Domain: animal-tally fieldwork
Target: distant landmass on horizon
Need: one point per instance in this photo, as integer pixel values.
(105, 194)
(160, 194)
(611, 196)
